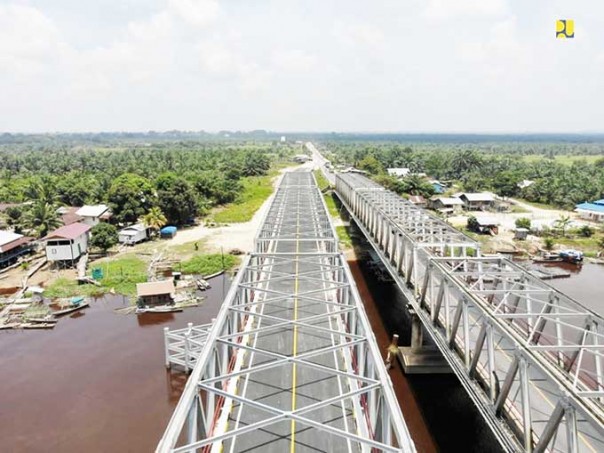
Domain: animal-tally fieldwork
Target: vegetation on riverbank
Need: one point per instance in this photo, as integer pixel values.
(208, 264)
(344, 236)
(120, 275)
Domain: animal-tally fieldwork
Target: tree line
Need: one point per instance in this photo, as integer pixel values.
(554, 183)
(174, 181)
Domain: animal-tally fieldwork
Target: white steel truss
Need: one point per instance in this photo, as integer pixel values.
(530, 357)
(290, 363)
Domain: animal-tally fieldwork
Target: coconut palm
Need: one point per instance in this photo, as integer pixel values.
(563, 222)
(41, 217)
(154, 219)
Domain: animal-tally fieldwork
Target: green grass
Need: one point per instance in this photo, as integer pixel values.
(322, 182)
(208, 264)
(332, 208)
(121, 275)
(548, 207)
(256, 189)
(565, 159)
(344, 237)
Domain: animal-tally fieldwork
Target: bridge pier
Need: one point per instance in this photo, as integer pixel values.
(417, 358)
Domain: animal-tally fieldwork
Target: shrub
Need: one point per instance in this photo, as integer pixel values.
(523, 222)
(586, 231)
(548, 243)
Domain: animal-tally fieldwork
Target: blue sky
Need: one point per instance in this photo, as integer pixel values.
(389, 65)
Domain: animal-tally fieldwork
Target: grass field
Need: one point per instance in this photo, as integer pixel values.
(562, 159)
(121, 275)
(208, 264)
(256, 189)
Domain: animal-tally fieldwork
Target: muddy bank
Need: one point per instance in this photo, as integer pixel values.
(96, 382)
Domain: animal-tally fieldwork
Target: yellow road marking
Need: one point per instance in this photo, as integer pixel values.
(292, 447)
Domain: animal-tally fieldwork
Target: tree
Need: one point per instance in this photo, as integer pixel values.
(154, 219)
(548, 243)
(563, 222)
(416, 185)
(506, 184)
(586, 231)
(103, 236)
(472, 223)
(177, 199)
(130, 197)
(371, 165)
(41, 217)
(255, 164)
(523, 222)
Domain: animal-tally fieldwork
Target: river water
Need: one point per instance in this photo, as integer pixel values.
(97, 382)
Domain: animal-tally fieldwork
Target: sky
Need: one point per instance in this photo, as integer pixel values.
(485, 66)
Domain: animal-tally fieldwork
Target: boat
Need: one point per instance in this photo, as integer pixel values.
(158, 309)
(42, 320)
(215, 274)
(548, 258)
(77, 303)
(34, 325)
(571, 256)
(202, 285)
(8, 326)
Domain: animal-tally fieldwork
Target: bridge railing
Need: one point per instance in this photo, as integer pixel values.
(202, 420)
(529, 356)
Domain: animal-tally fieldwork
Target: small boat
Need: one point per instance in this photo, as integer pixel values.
(158, 309)
(77, 303)
(202, 285)
(42, 320)
(571, 256)
(33, 325)
(8, 326)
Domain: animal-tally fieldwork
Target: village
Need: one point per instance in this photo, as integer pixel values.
(511, 226)
(161, 270)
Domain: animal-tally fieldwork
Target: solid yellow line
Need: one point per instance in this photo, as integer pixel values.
(292, 447)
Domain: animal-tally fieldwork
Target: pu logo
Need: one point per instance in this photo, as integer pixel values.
(565, 29)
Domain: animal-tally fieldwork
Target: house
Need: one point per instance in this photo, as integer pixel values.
(418, 201)
(398, 172)
(133, 234)
(93, 215)
(12, 246)
(68, 214)
(67, 243)
(446, 205)
(477, 201)
(155, 293)
(591, 211)
(438, 186)
(487, 225)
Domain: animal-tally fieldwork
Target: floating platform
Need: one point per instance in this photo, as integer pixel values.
(424, 360)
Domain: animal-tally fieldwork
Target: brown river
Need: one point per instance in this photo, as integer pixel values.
(97, 382)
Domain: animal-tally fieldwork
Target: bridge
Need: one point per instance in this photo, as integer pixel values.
(290, 363)
(529, 356)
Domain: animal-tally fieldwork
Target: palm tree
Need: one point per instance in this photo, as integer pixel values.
(42, 190)
(42, 217)
(563, 222)
(154, 219)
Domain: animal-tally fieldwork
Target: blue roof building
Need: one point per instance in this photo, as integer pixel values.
(591, 211)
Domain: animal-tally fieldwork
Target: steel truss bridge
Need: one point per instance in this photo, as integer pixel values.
(530, 357)
(290, 363)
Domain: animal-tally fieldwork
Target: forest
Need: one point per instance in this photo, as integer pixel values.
(564, 173)
(169, 181)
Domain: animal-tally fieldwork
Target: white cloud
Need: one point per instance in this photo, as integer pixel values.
(451, 9)
(416, 65)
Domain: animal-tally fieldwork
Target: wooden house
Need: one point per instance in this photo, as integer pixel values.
(155, 293)
(67, 243)
(12, 246)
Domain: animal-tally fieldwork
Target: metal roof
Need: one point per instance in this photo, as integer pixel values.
(591, 207)
(155, 288)
(483, 196)
(92, 211)
(71, 231)
(8, 236)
